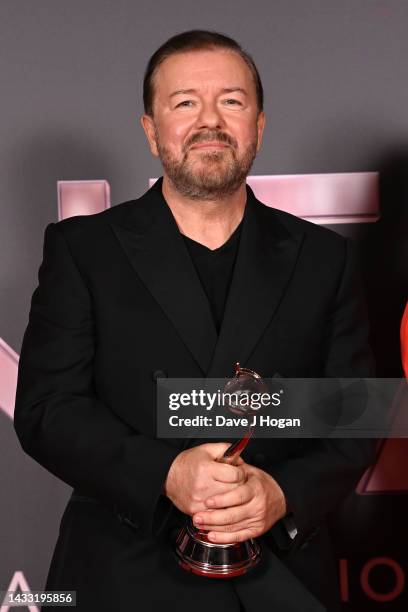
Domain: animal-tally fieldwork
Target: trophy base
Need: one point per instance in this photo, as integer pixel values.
(198, 555)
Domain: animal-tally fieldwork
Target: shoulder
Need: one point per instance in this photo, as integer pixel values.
(294, 224)
(317, 238)
(79, 223)
(81, 229)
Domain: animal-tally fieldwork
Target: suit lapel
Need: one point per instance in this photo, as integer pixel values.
(150, 238)
(265, 261)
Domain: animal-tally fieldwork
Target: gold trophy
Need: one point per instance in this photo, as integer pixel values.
(194, 551)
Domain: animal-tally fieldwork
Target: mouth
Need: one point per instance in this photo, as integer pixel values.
(210, 145)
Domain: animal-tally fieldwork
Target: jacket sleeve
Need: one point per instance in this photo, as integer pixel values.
(325, 471)
(59, 420)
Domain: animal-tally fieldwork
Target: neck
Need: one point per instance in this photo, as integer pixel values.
(210, 222)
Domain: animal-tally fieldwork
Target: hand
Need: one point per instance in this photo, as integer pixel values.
(195, 475)
(246, 512)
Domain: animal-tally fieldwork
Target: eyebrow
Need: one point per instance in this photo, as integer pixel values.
(223, 91)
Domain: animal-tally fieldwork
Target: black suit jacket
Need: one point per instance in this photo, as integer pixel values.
(118, 304)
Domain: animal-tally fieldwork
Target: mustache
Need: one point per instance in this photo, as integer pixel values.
(211, 136)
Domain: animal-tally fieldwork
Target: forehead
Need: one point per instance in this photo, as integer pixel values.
(202, 69)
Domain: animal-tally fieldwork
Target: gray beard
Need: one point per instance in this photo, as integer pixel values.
(213, 181)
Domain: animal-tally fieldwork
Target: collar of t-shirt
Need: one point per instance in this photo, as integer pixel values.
(214, 269)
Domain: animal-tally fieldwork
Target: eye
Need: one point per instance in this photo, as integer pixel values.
(185, 103)
(232, 101)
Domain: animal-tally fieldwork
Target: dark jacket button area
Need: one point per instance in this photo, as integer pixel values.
(123, 518)
(158, 374)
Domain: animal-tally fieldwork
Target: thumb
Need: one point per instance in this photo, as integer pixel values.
(217, 449)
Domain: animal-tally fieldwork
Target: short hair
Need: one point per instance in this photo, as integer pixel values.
(195, 40)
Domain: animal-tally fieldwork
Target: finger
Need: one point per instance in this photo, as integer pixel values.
(237, 497)
(228, 528)
(198, 499)
(224, 472)
(227, 516)
(233, 537)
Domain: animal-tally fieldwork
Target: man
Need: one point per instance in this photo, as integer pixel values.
(183, 282)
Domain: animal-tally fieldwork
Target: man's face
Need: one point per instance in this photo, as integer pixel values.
(205, 128)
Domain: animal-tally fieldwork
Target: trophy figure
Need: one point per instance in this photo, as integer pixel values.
(195, 552)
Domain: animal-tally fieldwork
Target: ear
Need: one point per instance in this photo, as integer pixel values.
(148, 126)
(260, 122)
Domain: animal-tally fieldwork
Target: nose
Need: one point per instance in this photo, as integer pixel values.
(210, 116)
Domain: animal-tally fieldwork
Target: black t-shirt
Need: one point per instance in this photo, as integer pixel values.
(214, 268)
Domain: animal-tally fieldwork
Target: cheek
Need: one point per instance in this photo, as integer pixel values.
(244, 133)
(247, 143)
(173, 133)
